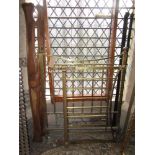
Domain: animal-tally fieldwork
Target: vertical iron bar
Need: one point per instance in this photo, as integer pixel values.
(65, 108)
(119, 76)
(73, 82)
(92, 102)
(101, 90)
(130, 29)
(112, 43)
(124, 61)
(82, 91)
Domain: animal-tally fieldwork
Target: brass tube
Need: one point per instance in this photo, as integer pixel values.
(86, 107)
(80, 88)
(92, 90)
(91, 113)
(86, 98)
(86, 116)
(86, 79)
(66, 136)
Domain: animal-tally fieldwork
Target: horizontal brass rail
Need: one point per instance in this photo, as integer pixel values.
(86, 116)
(88, 79)
(87, 98)
(86, 107)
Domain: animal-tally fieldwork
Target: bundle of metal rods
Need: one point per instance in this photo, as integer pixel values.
(24, 147)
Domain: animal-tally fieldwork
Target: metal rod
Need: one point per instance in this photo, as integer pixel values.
(82, 91)
(124, 60)
(85, 67)
(86, 98)
(89, 113)
(120, 62)
(76, 7)
(64, 27)
(87, 125)
(74, 37)
(89, 88)
(88, 79)
(66, 136)
(86, 116)
(92, 88)
(67, 17)
(95, 65)
(51, 129)
(102, 90)
(86, 107)
(130, 29)
(72, 87)
(112, 43)
(80, 47)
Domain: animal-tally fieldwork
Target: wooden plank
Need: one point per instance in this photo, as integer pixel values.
(33, 77)
(41, 67)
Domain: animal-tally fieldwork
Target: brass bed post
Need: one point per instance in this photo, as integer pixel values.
(112, 45)
(32, 68)
(66, 137)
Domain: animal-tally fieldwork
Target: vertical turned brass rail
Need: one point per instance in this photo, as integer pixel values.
(82, 91)
(113, 42)
(92, 102)
(73, 89)
(101, 89)
(65, 108)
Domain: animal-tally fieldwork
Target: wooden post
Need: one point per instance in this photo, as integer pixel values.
(33, 77)
(42, 67)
